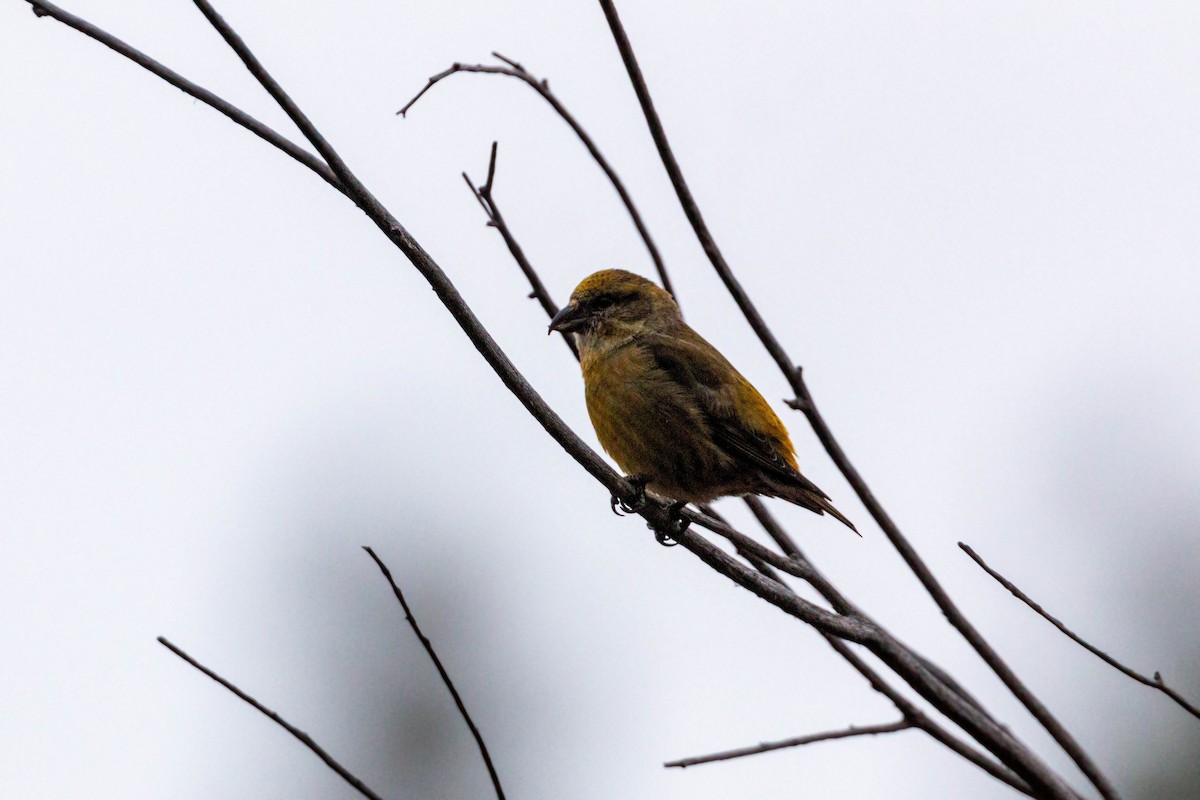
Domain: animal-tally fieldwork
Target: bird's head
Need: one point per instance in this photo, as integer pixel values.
(613, 301)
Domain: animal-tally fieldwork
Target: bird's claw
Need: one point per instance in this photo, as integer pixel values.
(626, 506)
(676, 524)
(665, 535)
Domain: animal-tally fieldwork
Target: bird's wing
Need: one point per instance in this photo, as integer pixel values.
(743, 424)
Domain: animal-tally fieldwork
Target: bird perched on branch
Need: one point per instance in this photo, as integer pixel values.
(669, 408)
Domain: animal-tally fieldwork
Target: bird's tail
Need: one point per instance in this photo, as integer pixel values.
(827, 507)
(813, 499)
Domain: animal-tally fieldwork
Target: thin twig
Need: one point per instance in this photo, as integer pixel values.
(755, 561)
(921, 720)
(909, 710)
(1154, 683)
(804, 402)
(766, 747)
(304, 738)
(515, 70)
(906, 707)
(496, 220)
(437, 662)
(914, 716)
(259, 129)
(835, 597)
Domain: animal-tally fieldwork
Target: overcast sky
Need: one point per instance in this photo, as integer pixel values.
(975, 225)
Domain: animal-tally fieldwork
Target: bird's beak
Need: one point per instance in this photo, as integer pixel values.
(570, 318)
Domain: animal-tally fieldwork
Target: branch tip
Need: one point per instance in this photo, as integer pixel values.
(766, 747)
(514, 64)
(491, 173)
(303, 737)
(1156, 682)
(437, 662)
(515, 69)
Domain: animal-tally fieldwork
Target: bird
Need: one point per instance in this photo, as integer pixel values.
(674, 414)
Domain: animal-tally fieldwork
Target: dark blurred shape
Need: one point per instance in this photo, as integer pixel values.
(1128, 476)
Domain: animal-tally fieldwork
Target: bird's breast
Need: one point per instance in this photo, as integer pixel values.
(647, 422)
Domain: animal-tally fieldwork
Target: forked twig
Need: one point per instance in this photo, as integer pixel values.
(514, 69)
(272, 137)
(496, 220)
(437, 662)
(1154, 683)
(304, 738)
(751, 557)
(797, 741)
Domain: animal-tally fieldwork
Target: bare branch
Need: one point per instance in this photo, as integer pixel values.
(496, 220)
(766, 747)
(259, 129)
(515, 70)
(315, 138)
(805, 403)
(754, 560)
(304, 738)
(769, 524)
(909, 710)
(906, 707)
(437, 662)
(922, 720)
(891, 647)
(834, 596)
(509, 61)
(1154, 683)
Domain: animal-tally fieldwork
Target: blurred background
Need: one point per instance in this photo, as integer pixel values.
(973, 224)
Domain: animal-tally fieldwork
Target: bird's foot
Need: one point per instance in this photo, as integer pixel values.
(676, 525)
(626, 505)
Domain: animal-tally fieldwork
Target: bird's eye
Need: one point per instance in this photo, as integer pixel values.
(603, 301)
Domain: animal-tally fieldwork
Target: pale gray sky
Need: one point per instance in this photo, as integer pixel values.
(974, 224)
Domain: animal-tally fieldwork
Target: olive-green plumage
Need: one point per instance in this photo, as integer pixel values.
(669, 408)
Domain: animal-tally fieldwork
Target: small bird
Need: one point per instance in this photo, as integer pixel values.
(669, 408)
